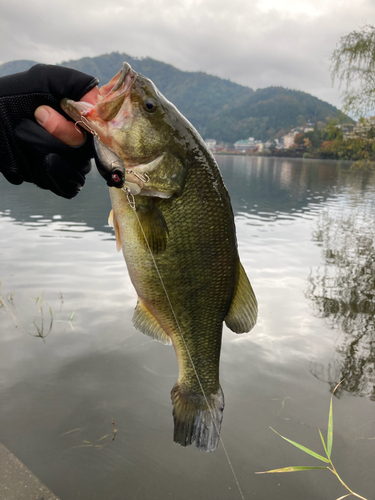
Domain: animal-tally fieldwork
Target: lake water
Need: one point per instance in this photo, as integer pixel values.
(306, 238)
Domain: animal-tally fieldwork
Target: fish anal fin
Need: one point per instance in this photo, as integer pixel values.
(145, 322)
(195, 423)
(243, 310)
(112, 221)
(152, 225)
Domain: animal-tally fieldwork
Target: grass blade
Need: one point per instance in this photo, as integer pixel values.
(73, 430)
(303, 448)
(330, 431)
(103, 437)
(290, 469)
(324, 444)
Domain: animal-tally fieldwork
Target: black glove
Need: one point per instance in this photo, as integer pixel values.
(27, 151)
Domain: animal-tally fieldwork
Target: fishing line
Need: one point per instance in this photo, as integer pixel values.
(131, 201)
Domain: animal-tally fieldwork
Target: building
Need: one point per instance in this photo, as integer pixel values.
(210, 143)
(288, 139)
(244, 145)
(364, 129)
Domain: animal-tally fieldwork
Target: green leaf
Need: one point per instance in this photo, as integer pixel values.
(303, 448)
(290, 469)
(103, 437)
(50, 309)
(72, 316)
(330, 431)
(324, 444)
(73, 430)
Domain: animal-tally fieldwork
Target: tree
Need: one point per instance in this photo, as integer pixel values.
(353, 63)
(342, 291)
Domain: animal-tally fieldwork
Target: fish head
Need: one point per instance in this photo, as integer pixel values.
(132, 118)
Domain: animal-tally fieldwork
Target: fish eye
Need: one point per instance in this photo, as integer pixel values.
(150, 105)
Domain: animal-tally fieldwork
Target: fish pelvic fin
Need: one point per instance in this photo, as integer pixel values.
(145, 322)
(153, 225)
(112, 221)
(194, 422)
(243, 310)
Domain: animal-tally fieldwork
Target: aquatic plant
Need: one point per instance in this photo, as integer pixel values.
(41, 332)
(327, 445)
(43, 322)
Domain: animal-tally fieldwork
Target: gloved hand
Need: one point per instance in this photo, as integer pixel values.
(27, 151)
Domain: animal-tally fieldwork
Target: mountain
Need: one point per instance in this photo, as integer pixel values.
(15, 67)
(218, 108)
(197, 95)
(267, 113)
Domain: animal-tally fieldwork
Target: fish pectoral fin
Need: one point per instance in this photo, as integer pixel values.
(152, 225)
(112, 221)
(243, 310)
(145, 322)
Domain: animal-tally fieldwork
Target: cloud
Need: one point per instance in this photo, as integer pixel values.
(255, 43)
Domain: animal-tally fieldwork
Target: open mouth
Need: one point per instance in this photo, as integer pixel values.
(111, 98)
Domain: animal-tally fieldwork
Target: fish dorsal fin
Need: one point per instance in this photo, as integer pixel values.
(146, 323)
(243, 310)
(112, 221)
(153, 225)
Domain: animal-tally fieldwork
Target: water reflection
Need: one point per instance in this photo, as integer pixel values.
(343, 290)
(273, 188)
(36, 208)
(104, 369)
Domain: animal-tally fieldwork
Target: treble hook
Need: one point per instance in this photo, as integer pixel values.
(84, 121)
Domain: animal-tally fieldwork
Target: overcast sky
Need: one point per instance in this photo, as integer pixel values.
(257, 43)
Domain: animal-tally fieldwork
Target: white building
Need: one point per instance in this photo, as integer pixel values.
(360, 130)
(288, 139)
(210, 143)
(244, 145)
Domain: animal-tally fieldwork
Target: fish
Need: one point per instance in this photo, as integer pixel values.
(173, 219)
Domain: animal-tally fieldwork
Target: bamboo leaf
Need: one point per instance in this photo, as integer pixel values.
(303, 448)
(290, 469)
(330, 431)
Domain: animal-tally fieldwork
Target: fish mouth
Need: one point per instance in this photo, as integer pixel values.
(110, 99)
(95, 117)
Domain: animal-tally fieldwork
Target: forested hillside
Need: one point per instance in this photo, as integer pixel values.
(218, 108)
(269, 113)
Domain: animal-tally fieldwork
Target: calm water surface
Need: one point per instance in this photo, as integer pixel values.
(306, 238)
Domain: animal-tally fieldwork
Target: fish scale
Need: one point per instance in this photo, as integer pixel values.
(187, 274)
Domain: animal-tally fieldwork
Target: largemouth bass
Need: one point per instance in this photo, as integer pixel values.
(175, 224)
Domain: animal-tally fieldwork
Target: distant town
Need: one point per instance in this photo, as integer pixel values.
(252, 145)
(330, 140)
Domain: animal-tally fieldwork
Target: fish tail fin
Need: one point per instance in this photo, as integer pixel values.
(194, 422)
